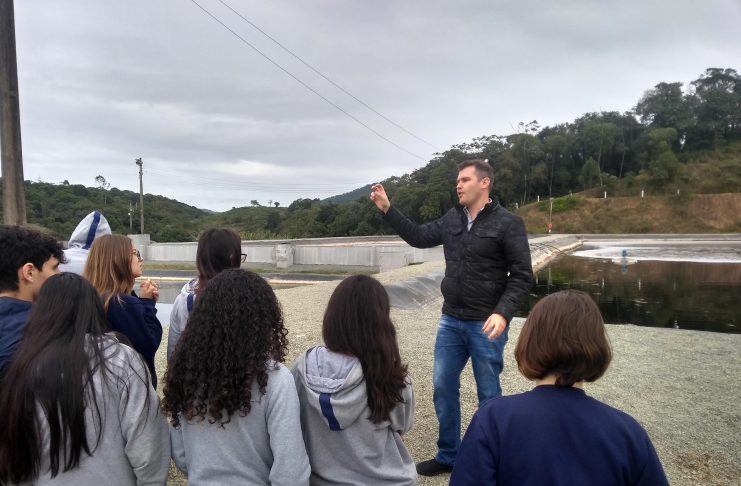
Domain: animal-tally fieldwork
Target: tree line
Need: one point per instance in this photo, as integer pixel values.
(676, 138)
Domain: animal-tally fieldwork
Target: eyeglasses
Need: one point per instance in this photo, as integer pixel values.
(137, 254)
(244, 257)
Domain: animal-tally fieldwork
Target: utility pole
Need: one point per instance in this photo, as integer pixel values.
(141, 193)
(14, 197)
(131, 218)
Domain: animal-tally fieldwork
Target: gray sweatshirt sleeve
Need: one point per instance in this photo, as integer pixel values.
(178, 449)
(290, 461)
(144, 428)
(178, 321)
(402, 416)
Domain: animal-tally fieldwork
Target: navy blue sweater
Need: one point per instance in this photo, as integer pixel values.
(136, 319)
(13, 316)
(556, 436)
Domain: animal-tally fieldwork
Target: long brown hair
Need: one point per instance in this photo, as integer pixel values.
(218, 249)
(564, 335)
(357, 322)
(108, 266)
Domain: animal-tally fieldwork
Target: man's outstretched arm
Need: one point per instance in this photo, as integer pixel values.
(419, 236)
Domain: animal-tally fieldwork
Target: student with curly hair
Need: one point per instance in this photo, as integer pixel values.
(112, 266)
(78, 407)
(232, 404)
(356, 397)
(555, 433)
(218, 249)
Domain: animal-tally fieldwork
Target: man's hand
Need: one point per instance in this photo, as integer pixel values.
(378, 196)
(494, 326)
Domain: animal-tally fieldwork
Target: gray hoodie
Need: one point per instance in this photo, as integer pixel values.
(92, 226)
(134, 448)
(179, 315)
(264, 447)
(345, 447)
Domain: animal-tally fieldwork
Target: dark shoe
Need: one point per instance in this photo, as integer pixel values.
(432, 468)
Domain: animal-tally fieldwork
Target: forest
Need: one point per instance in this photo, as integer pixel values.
(678, 139)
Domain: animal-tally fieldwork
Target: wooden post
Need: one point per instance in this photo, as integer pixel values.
(14, 197)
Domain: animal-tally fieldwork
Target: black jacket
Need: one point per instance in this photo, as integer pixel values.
(487, 269)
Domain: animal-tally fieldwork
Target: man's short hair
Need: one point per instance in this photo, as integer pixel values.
(482, 167)
(564, 335)
(20, 245)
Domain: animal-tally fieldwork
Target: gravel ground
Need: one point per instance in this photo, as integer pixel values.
(683, 386)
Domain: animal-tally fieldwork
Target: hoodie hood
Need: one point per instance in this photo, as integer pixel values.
(92, 226)
(334, 386)
(189, 287)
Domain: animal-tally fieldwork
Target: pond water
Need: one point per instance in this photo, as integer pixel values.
(648, 287)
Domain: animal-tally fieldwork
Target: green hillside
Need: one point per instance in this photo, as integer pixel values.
(59, 207)
(674, 145)
(349, 196)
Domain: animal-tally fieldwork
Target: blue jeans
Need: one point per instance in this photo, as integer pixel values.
(456, 341)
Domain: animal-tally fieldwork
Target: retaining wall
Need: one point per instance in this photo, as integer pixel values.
(379, 253)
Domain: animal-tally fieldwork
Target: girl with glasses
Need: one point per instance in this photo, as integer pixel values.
(218, 249)
(112, 266)
(231, 401)
(78, 406)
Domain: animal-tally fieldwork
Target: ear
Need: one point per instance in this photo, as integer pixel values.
(26, 273)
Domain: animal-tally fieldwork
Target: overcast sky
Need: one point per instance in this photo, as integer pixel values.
(103, 82)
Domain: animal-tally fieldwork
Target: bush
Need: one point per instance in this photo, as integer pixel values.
(560, 204)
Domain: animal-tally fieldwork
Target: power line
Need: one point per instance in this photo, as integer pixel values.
(278, 188)
(379, 135)
(325, 77)
(286, 184)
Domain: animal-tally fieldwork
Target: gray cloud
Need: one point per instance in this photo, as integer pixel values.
(217, 125)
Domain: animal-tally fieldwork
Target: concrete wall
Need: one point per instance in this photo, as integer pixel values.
(363, 256)
(375, 252)
(381, 253)
(172, 252)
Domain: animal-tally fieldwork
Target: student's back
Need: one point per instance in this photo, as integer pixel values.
(555, 434)
(218, 249)
(344, 446)
(233, 406)
(356, 397)
(251, 449)
(134, 444)
(88, 396)
(558, 436)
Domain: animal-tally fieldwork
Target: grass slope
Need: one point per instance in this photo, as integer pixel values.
(700, 213)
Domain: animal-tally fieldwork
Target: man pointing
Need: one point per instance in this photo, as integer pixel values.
(488, 276)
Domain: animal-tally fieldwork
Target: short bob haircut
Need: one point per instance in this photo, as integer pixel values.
(564, 335)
